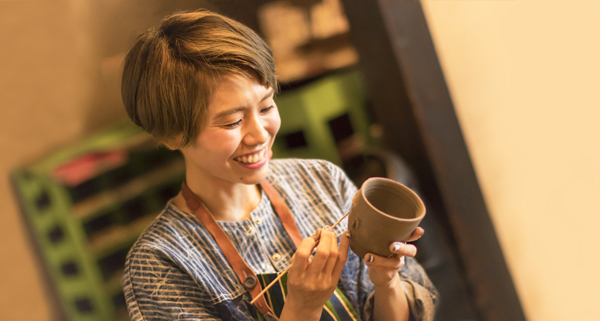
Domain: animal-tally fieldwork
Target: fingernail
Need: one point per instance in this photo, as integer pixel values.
(402, 260)
(397, 246)
(327, 228)
(348, 234)
(370, 258)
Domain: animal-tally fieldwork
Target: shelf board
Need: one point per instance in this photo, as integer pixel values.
(86, 209)
(118, 236)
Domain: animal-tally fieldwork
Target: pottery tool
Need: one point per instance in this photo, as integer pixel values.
(288, 268)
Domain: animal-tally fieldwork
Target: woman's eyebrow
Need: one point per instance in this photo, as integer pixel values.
(268, 94)
(228, 112)
(238, 109)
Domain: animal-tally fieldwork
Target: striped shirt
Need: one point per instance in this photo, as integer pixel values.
(176, 271)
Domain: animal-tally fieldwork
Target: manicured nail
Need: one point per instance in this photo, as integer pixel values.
(327, 228)
(371, 258)
(348, 234)
(397, 246)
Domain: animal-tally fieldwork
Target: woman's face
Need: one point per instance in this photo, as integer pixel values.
(235, 145)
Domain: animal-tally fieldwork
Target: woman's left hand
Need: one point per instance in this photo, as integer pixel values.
(384, 270)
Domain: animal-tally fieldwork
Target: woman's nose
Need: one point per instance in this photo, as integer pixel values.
(256, 134)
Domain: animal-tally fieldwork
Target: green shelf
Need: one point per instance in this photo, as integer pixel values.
(85, 226)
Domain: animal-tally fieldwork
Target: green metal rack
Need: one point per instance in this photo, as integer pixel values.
(320, 118)
(84, 226)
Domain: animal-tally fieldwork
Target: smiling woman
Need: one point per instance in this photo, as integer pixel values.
(204, 85)
(242, 121)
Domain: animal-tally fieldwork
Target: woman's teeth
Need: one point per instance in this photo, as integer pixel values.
(251, 159)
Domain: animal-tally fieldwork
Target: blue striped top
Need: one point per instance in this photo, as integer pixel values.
(176, 271)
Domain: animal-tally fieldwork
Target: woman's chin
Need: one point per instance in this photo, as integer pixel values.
(257, 175)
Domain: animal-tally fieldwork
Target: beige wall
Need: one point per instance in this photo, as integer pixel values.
(41, 94)
(524, 76)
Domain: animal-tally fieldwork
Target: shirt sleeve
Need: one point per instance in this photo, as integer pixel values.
(420, 292)
(156, 289)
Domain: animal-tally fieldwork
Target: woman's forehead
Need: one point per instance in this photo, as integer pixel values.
(237, 91)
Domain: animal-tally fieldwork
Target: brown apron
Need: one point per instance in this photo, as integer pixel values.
(246, 276)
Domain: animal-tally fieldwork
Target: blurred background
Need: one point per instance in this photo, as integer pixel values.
(80, 182)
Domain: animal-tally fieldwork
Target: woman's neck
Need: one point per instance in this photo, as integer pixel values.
(229, 203)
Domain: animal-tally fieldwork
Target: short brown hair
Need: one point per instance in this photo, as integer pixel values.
(171, 71)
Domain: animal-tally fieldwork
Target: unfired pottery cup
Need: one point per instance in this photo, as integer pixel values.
(383, 211)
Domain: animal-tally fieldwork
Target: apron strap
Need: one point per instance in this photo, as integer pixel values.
(283, 211)
(244, 273)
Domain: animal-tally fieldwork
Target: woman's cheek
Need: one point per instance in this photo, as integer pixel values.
(276, 123)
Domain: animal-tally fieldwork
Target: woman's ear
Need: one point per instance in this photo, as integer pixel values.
(173, 142)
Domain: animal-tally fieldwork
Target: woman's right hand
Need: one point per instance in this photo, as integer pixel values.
(312, 280)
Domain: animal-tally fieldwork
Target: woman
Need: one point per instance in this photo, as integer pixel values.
(204, 84)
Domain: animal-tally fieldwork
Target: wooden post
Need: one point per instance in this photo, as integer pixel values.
(410, 99)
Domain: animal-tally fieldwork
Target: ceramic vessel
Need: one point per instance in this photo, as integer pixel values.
(383, 211)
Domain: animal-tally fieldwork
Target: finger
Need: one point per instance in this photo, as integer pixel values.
(300, 260)
(333, 256)
(403, 249)
(416, 234)
(342, 253)
(395, 262)
(322, 253)
(317, 235)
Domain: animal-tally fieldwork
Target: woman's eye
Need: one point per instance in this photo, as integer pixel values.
(233, 125)
(266, 110)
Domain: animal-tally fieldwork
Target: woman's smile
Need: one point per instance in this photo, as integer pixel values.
(255, 160)
(252, 158)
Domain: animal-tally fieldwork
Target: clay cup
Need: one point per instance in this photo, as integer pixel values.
(383, 211)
